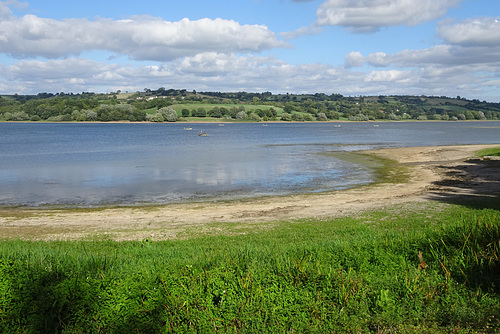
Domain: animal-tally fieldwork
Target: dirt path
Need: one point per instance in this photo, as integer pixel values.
(434, 173)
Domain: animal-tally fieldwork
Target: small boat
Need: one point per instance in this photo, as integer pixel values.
(336, 125)
(264, 124)
(202, 133)
(375, 125)
(188, 128)
(221, 124)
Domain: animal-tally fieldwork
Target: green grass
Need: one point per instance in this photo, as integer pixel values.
(489, 152)
(346, 275)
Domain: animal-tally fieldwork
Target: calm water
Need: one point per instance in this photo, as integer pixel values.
(96, 164)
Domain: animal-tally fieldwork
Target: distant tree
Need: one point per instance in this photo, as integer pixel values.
(393, 117)
(289, 107)
(286, 117)
(321, 116)
(19, 116)
(185, 112)
(308, 118)
(297, 117)
(215, 112)
(200, 112)
(90, 115)
(241, 115)
(156, 117)
(254, 117)
(78, 115)
(169, 114)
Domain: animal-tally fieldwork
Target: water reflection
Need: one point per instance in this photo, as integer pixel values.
(92, 164)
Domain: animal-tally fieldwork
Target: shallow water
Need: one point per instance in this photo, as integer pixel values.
(98, 164)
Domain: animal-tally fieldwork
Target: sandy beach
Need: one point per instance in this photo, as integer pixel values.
(440, 173)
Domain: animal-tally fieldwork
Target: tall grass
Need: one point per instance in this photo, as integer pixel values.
(358, 274)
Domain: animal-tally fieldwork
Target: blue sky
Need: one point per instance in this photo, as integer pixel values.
(351, 47)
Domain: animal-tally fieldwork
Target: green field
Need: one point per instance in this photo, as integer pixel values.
(345, 275)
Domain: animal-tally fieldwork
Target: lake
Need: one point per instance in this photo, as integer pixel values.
(87, 164)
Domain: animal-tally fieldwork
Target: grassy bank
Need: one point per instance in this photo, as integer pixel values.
(357, 274)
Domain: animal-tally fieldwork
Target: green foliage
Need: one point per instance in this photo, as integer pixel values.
(216, 105)
(345, 275)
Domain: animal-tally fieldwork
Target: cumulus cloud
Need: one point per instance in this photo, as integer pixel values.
(483, 31)
(141, 38)
(354, 59)
(441, 55)
(371, 15)
(207, 71)
(388, 76)
(229, 72)
(469, 42)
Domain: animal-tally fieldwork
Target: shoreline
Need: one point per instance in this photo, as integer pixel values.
(435, 173)
(216, 121)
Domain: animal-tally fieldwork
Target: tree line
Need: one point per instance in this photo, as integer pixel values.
(157, 106)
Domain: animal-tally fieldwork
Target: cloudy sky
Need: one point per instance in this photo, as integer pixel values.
(351, 47)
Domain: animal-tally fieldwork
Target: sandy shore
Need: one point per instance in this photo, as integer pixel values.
(441, 173)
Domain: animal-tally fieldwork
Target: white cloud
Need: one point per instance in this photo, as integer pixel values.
(207, 71)
(229, 72)
(387, 76)
(354, 59)
(483, 31)
(441, 55)
(220, 55)
(471, 42)
(141, 38)
(312, 29)
(371, 15)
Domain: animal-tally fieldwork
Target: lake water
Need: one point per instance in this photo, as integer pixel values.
(100, 164)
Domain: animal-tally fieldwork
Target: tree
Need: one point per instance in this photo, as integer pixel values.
(169, 114)
(215, 112)
(321, 116)
(254, 117)
(200, 112)
(308, 118)
(90, 115)
(156, 117)
(241, 115)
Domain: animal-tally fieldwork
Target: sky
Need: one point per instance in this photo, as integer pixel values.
(349, 47)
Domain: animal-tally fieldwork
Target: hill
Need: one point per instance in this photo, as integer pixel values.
(153, 105)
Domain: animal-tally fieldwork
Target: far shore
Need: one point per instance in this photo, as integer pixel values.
(226, 121)
(437, 173)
